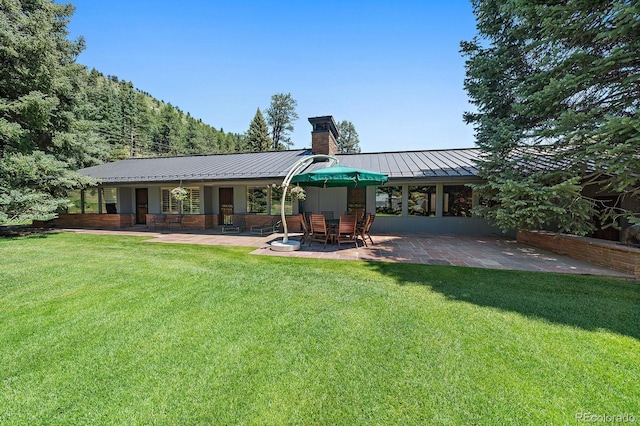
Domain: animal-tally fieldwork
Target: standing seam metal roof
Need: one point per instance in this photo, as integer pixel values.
(417, 164)
(206, 167)
(276, 164)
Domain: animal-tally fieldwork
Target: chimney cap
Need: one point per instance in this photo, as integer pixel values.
(324, 123)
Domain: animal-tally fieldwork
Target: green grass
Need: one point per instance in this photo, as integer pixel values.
(114, 330)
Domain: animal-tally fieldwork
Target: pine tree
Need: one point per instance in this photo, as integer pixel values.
(348, 141)
(258, 139)
(40, 87)
(557, 95)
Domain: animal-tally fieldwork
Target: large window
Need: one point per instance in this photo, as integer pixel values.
(422, 200)
(389, 200)
(93, 197)
(457, 201)
(276, 200)
(257, 199)
(91, 200)
(191, 205)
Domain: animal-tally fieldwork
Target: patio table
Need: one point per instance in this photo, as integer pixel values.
(332, 224)
(332, 228)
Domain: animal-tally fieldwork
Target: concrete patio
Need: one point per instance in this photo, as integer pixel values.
(493, 252)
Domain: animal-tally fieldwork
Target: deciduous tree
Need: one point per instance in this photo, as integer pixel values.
(280, 116)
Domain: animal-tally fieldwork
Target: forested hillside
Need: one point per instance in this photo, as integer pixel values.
(56, 116)
(132, 123)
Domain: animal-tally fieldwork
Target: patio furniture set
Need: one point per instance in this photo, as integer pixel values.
(346, 229)
(315, 227)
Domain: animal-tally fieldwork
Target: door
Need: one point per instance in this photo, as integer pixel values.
(226, 206)
(142, 205)
(357, 201)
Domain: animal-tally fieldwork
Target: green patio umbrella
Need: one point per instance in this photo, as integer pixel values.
(339, 176)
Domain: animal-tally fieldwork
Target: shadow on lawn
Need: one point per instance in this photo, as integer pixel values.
(9, 232)
(589, 303)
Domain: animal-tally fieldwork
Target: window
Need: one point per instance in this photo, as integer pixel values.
(190, 205)
(389, 200)
(257, 200)
(457, 201)
(91, 200)
(422, 201)
(109, 200)
(276, 199)
(75, 201)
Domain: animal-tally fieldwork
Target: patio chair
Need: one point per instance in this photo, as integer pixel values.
(346, 231)
(358, 213)
(157, 220)
(319, 230)
(307, 218)
(236, 225)
(266, 228)
(305, 229)
(365, 230)
(176, 220)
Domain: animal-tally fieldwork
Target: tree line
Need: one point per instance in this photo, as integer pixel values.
(56, 116)
(132, 123)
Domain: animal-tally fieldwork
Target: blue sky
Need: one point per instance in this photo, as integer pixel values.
(392, 68)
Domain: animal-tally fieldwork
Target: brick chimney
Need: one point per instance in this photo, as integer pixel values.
(324, 135)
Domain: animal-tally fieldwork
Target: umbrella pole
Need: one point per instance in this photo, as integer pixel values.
(298, 165)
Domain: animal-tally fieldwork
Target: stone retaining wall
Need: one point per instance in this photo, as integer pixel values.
(600, 252)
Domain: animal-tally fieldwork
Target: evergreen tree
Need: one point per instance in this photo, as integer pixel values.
(168, 136)
(557, 94)
(258, 139)
(348, 141)
(129, 116)
(141, 137)
(40, 85)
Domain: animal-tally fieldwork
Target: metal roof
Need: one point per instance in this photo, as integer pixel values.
(276, 164)
(258, 165)
(417, 164)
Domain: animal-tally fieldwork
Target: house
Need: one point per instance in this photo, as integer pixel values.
(426, 191)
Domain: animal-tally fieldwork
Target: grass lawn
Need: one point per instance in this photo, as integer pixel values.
(114, 330)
